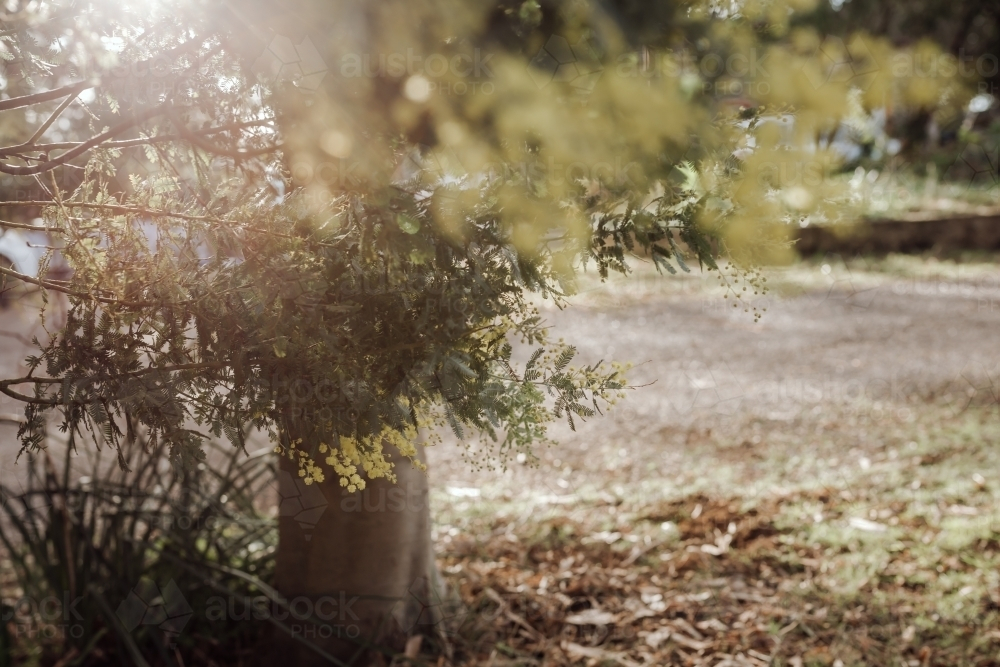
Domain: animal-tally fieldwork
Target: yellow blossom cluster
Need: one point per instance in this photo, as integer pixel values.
(345, 460)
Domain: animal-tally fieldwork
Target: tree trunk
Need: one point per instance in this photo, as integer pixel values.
(359, 565)
(364, 560)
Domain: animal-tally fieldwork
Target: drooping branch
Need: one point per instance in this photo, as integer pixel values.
(194, 366)
(93, 142)
(78, 87)
(73, 89)
(209, 147)
(74, 149)
(59, 286)
(116, 209)
(129, 143)
(51, 119)
(34, 228)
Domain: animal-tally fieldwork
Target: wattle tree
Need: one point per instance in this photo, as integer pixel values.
(331, 222)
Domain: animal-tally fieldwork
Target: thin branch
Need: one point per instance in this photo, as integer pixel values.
(78, 87)
(42, 185)
(57, 287)
(85, 146)
(209, 147)
(38, 401)
(118, 210)
(128, 143)
(45, 96)
(129, 210)
(194, 366)
(55, 114)
(24, 398)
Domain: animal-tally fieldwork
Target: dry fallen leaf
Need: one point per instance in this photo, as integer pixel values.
(688, 628)
(712, 625)
(604, 537)
(866, 525)
(690, 643)
(657, 637)
(638, 609)
(591, 617)
(576, 652)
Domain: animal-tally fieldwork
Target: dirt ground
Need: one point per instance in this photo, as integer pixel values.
(841, 342)
(816, 488)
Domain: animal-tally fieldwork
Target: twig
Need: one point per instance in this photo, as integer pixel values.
(56, 287)
(212, 148)
(126, 143)
(55, 114)
(208, 365)
(86, 145)
(118, 209)
(45, 96)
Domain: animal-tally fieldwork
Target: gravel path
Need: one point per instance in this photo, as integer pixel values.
(844, 359)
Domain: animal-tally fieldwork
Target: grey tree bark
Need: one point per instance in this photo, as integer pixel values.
(357, 568)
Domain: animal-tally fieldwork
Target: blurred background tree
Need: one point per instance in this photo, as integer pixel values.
(966, 31)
